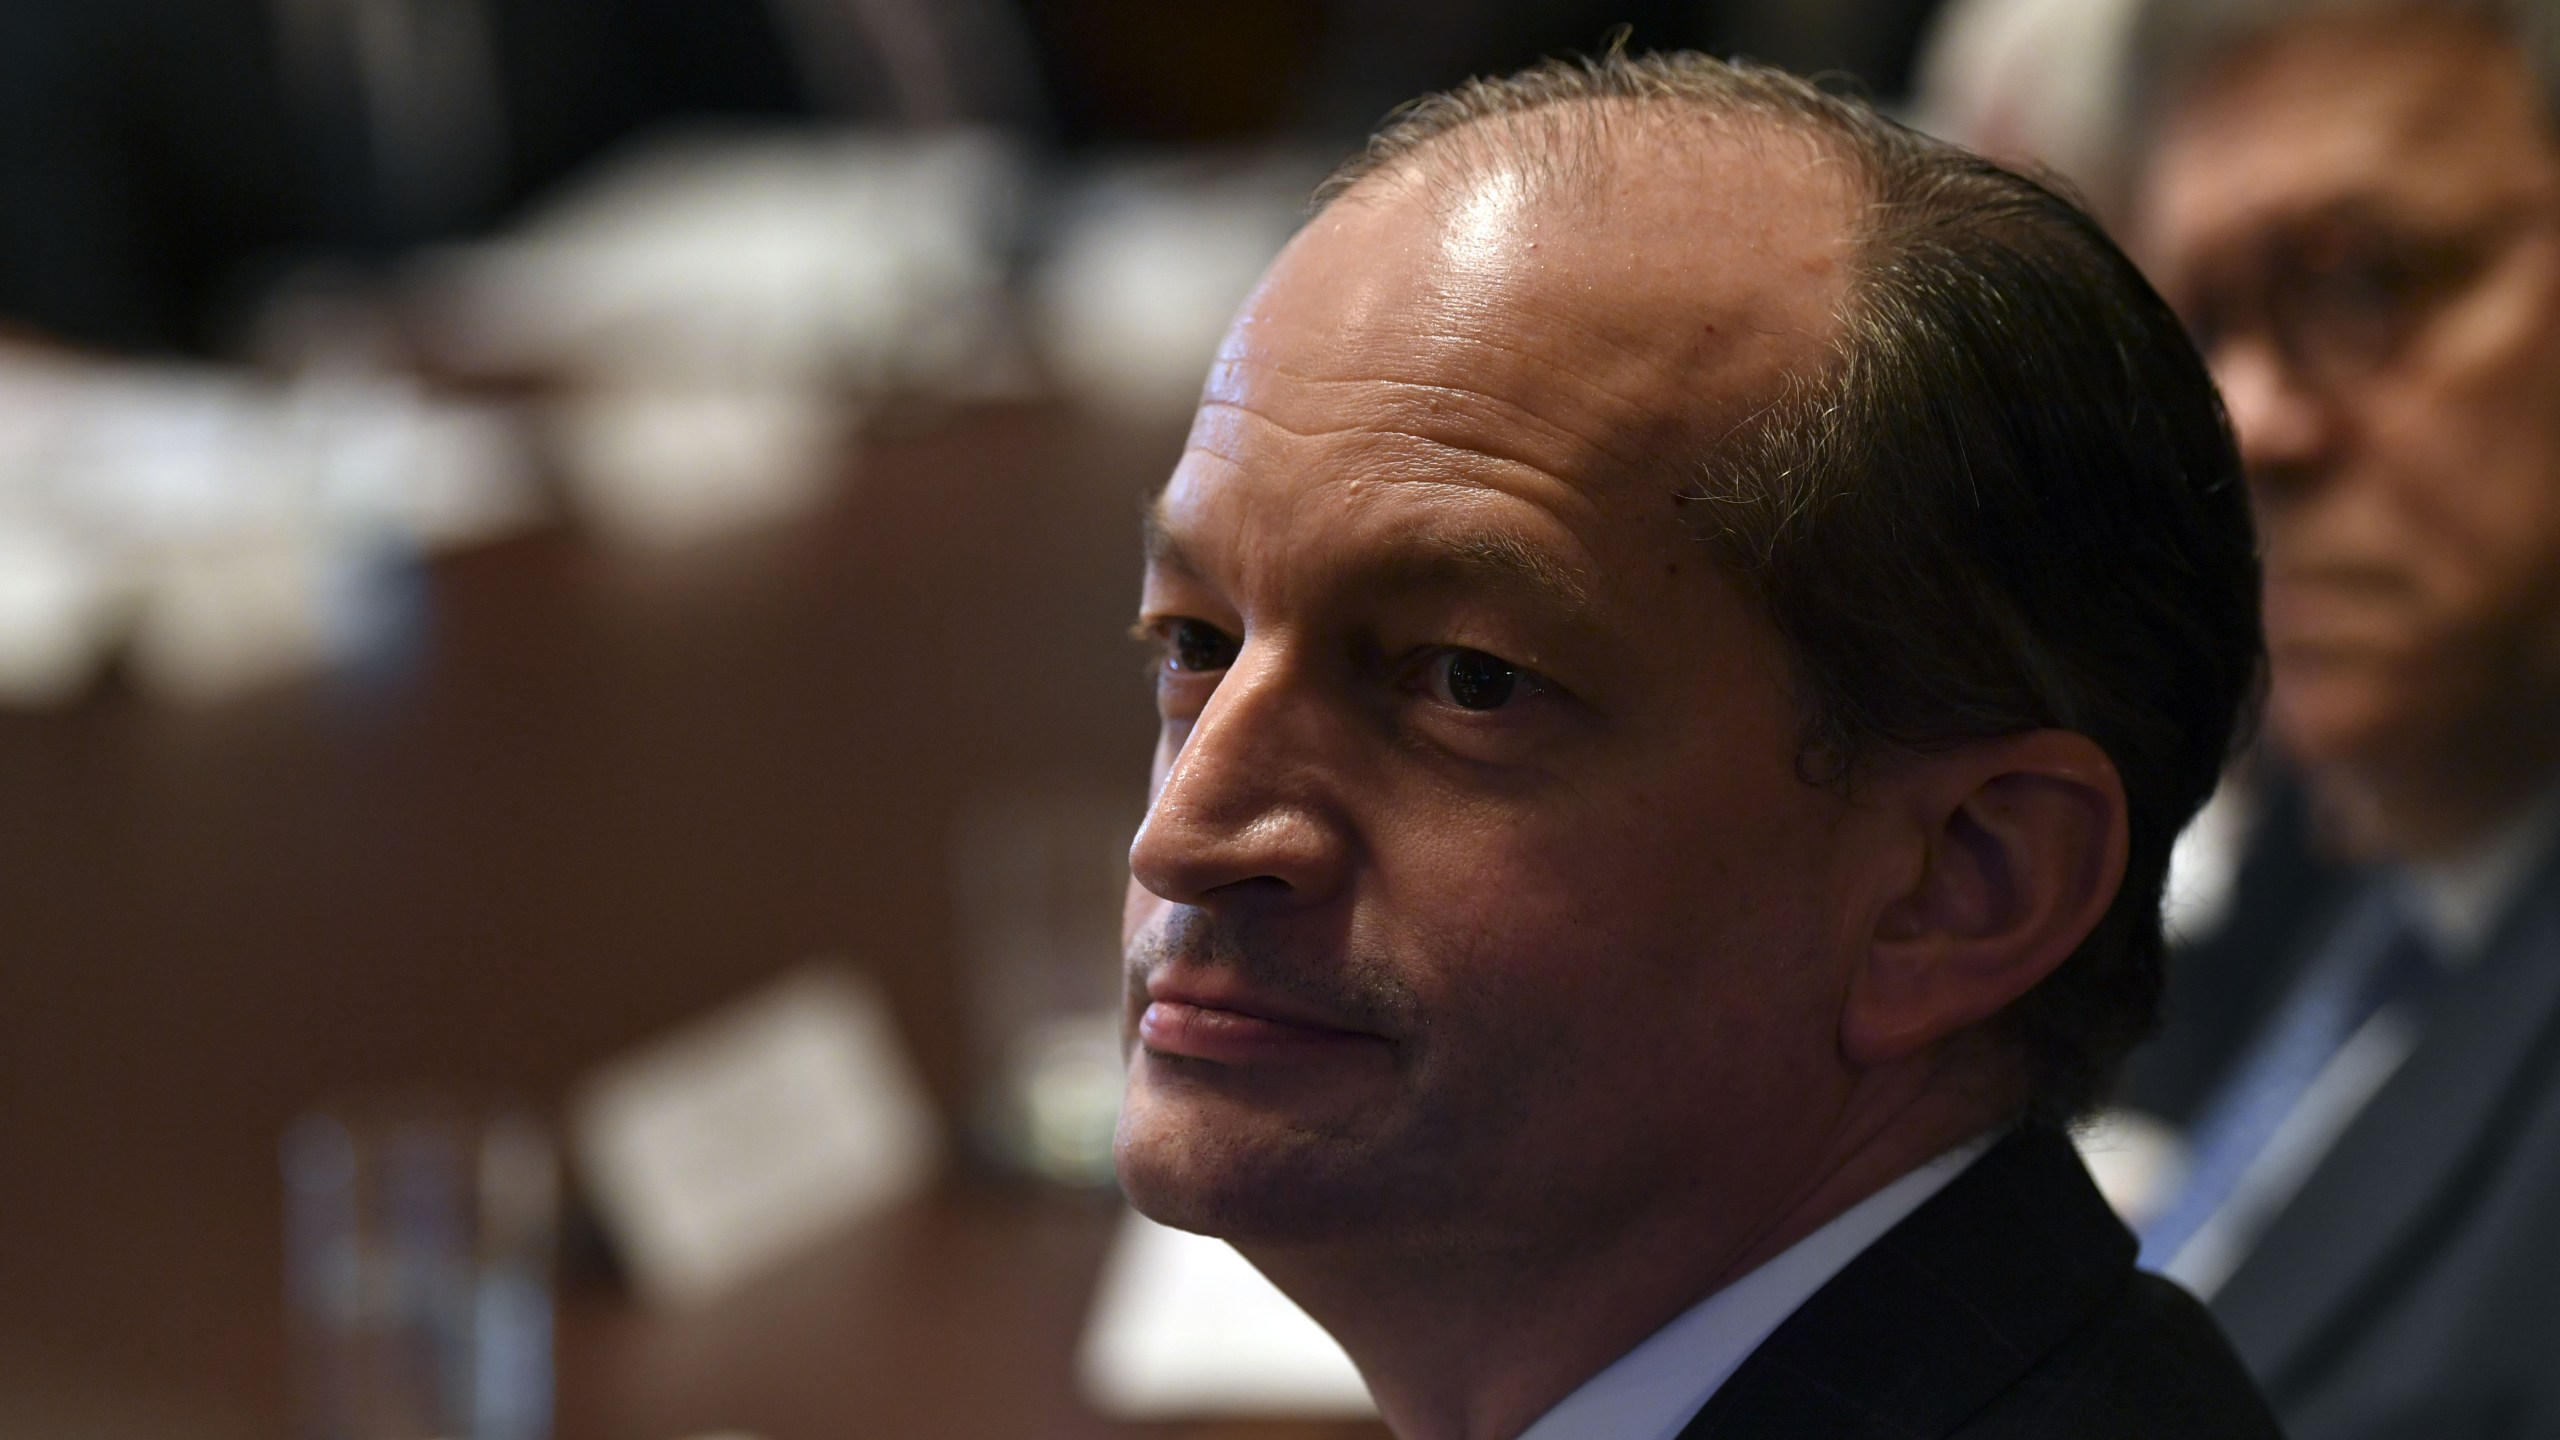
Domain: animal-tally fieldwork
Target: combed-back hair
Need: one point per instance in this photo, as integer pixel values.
(2005, 499)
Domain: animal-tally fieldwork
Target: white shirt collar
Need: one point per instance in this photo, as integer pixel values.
(1654, 1390)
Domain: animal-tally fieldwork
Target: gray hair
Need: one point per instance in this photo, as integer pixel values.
(2177, 42)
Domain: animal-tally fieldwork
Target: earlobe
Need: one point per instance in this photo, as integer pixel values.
(2023, 845)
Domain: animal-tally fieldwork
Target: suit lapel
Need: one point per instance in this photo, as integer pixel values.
(1942, 1314)
(2411, 1157)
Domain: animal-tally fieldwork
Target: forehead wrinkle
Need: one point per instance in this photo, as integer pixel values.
(1430, 410)
(1387, 466)
(1668, 354)
(1640, 391)
(1425, 555)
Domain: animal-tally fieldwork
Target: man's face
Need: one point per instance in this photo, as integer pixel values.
(2358, 218)
(1479, 890)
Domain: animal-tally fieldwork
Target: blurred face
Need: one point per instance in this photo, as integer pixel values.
(2361, 220)
(1479, 899)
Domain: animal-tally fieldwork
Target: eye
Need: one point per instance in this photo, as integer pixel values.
(1473, 680)
(1196, 646)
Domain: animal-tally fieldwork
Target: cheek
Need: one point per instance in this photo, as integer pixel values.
(1657, 922)
(1625, 1005)
(2472, 449)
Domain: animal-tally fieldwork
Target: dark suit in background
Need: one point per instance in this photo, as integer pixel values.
(2286, 895)
(2412, 1286)
(2006, 1308)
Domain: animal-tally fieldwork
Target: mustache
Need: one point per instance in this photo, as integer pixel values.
(1359, 992)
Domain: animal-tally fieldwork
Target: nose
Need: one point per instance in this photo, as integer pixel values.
(2286, 429)
(1247, 811)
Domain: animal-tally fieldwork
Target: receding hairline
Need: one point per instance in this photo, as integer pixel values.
(1573, 145)
(1583, 151)
(1578, 127)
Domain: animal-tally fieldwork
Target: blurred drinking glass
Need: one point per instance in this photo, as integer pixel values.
(1039, 876)
(419, 1241)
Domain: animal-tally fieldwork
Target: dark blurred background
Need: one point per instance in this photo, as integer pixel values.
(167, 161)
(521, 520)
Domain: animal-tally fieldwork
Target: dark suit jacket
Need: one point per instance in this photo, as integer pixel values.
(2005, 1308)
(2412, 1287)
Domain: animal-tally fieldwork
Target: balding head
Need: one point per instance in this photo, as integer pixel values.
(1688, 620)
(1909, 400)
(1664, 286)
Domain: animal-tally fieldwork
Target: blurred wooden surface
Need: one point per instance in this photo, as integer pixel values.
(610, 790)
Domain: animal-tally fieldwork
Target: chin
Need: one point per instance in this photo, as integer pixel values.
(1242, 1178)
(2331, 715)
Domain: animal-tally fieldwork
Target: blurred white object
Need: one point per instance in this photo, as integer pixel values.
(1066, 1076)
(1039, 877)
(58, 613)
(220, 619)
(724, 1148)
(1147, 269)
(241, 526)
(853, 261)
(380, 451)
(1183, 1326)
(2036, 81)
(665, 465)
(2204, 865)
(2138, 1161)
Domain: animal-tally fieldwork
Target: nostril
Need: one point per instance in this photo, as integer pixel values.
(1284, 853)
(1254, 887)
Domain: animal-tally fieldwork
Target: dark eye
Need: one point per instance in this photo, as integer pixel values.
(1196, 645)
(1473, 680)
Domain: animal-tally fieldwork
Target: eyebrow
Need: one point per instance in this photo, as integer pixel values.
(1164, 549)
(1427, 561)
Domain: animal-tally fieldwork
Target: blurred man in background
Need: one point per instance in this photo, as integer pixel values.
(2356, 207)
(1666, 768)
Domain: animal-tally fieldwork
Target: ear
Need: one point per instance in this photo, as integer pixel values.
(2022, 849)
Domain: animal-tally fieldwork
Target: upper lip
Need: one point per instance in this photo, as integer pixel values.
(1218, 990)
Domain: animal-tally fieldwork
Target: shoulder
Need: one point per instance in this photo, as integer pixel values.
(2148, 1364)
(2005, 1308)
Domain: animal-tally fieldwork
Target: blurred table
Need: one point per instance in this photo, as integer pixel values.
(955, 1317)
(607, 791)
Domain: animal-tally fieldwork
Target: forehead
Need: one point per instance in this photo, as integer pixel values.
(2420, 118)
(1480, 324)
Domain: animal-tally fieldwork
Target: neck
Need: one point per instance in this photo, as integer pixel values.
(1476, 1341)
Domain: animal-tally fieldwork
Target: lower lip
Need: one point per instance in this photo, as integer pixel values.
(1230, 1037)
